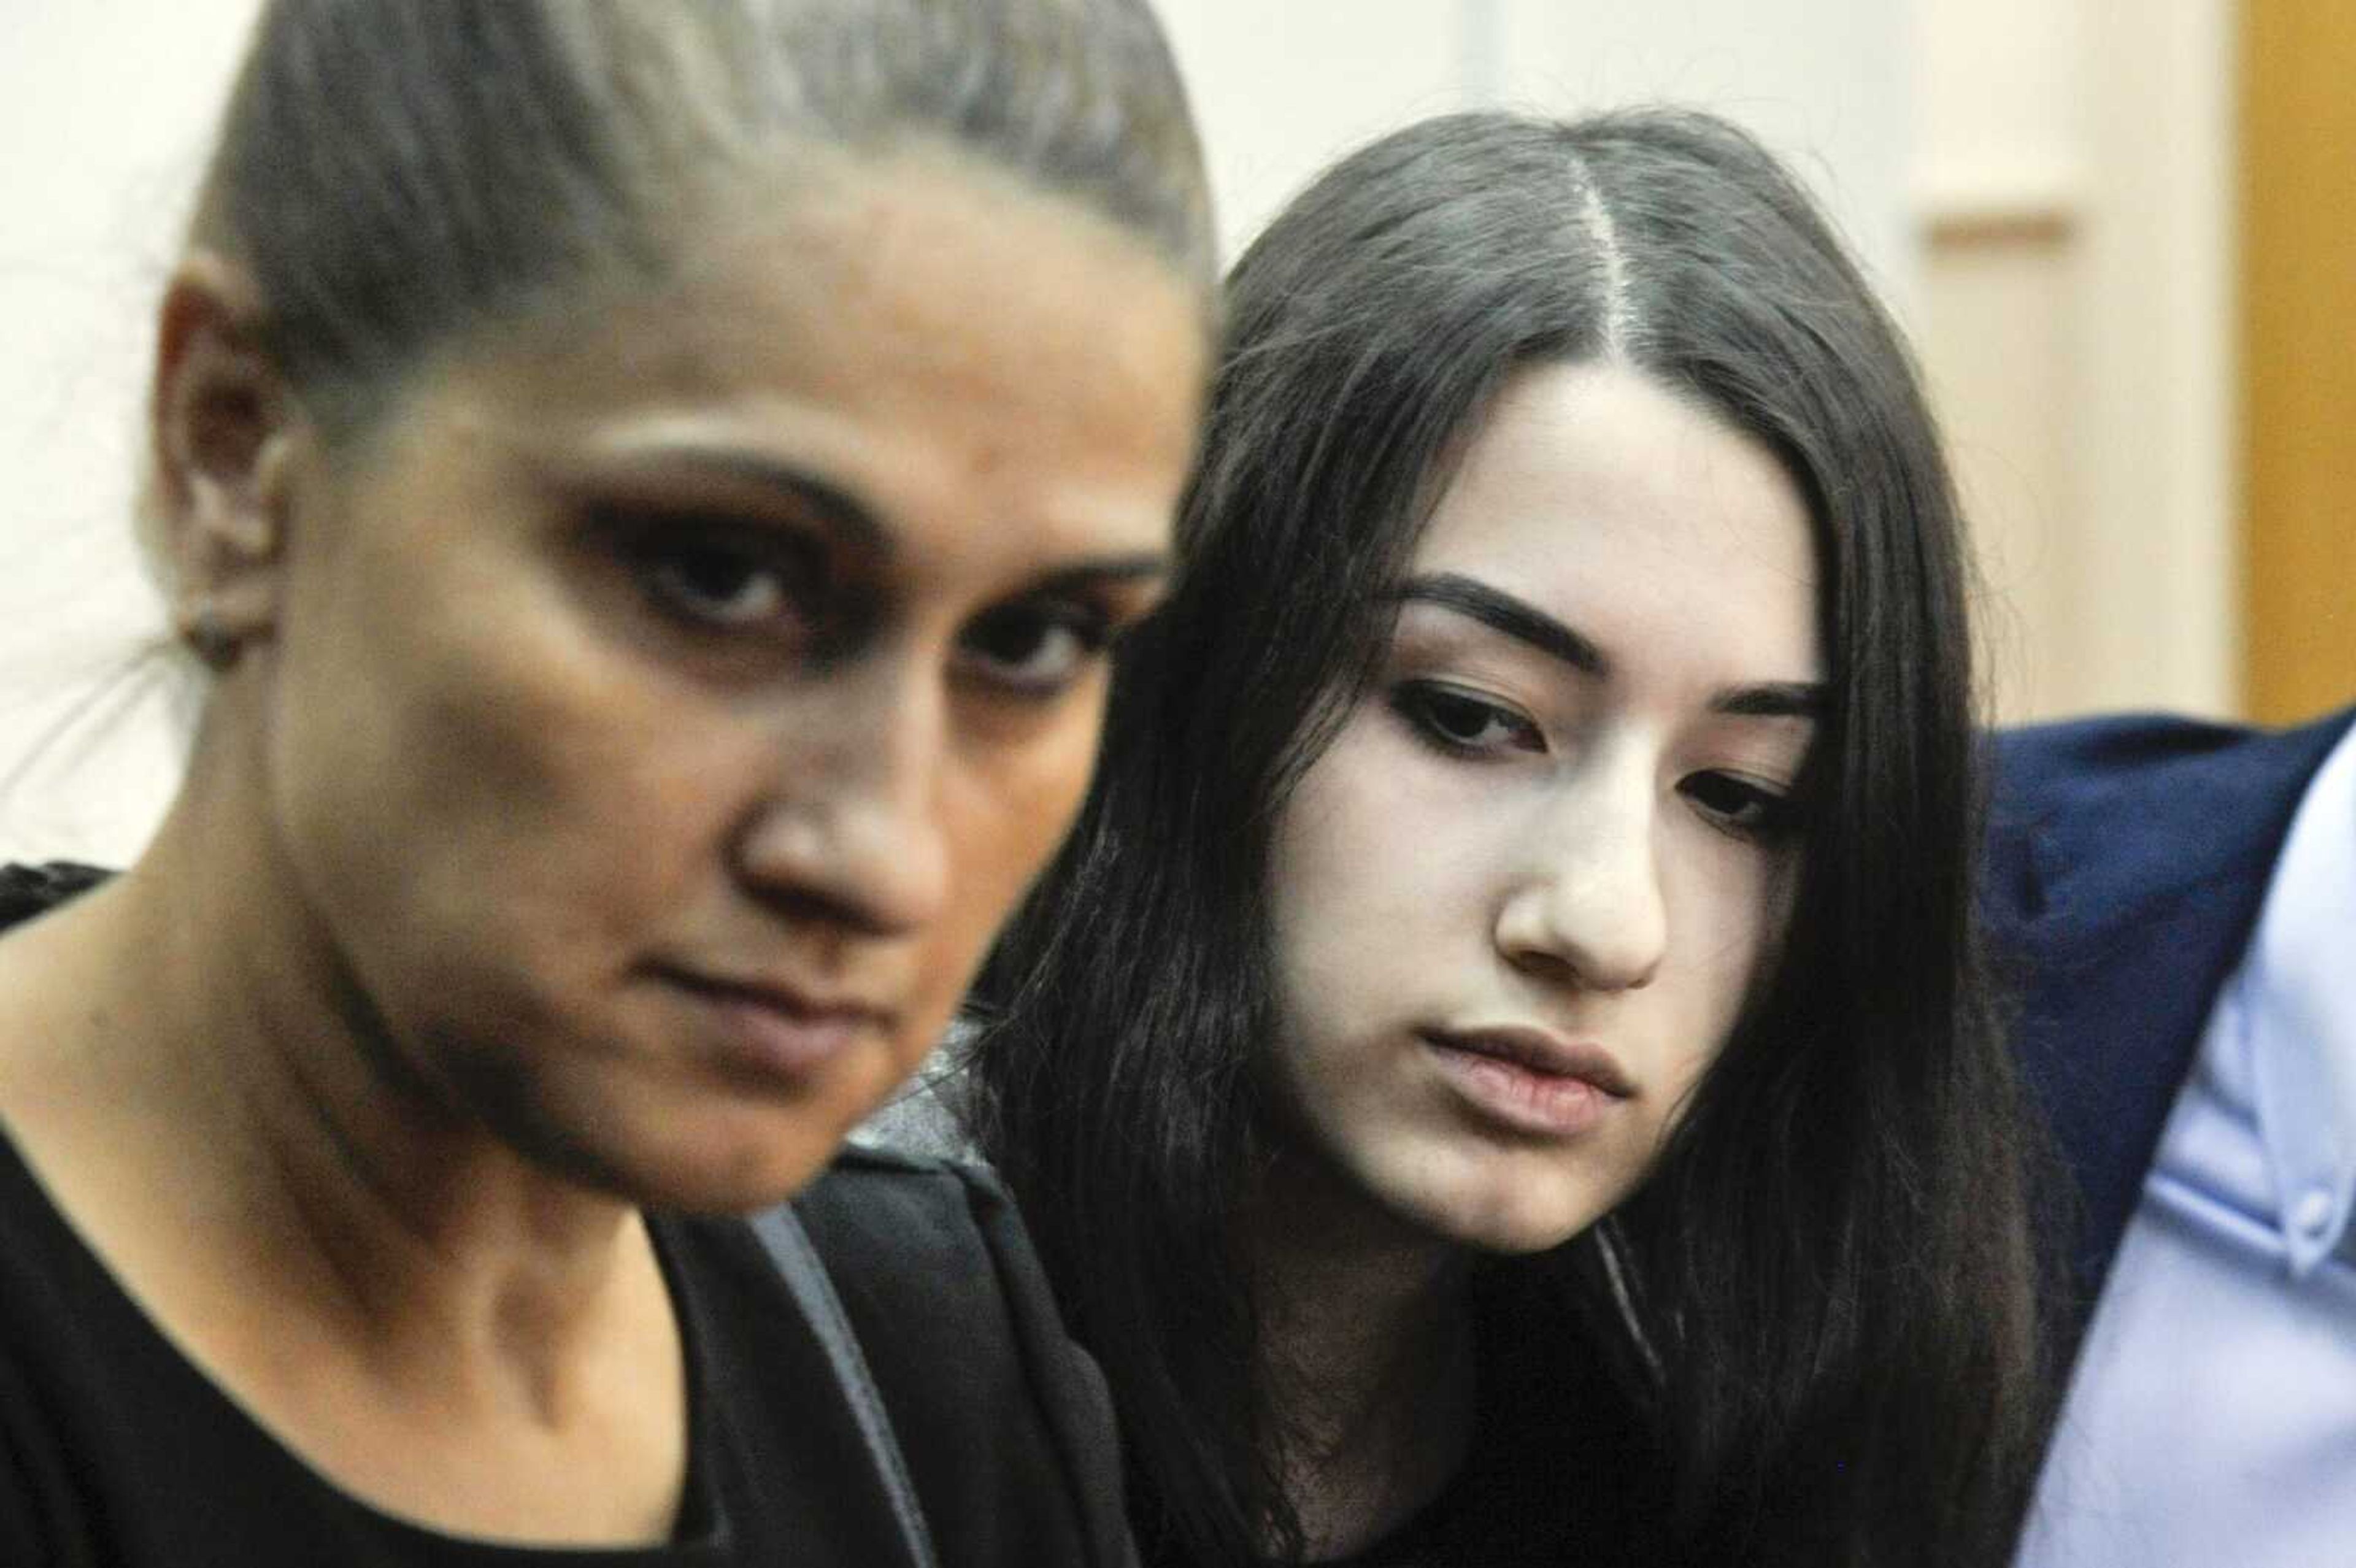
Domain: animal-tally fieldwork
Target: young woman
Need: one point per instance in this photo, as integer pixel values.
(1501, 1073)
(651, 487)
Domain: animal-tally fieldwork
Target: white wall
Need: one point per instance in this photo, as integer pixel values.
(2074, 163)
(105, 112)
(1283, 86)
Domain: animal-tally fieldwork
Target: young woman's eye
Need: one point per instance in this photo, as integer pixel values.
(1743, 809)
(1461, 724)
(1034, 650)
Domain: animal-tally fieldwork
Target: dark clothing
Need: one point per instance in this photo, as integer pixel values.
(115, 1450)
(1561, 1469)
(1007, 1425)
(1560, 1472)
(2128, 858)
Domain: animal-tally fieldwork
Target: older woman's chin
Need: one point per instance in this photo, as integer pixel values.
(704, 1151)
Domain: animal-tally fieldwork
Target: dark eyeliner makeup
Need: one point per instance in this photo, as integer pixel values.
(1743, 809)
(724, 575)
(1454, 721)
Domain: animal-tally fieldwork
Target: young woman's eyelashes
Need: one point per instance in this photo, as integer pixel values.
(1462, 724)
(1744, 808)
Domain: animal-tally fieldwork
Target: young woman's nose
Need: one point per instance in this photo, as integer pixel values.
(1586, 903)
(852, 828)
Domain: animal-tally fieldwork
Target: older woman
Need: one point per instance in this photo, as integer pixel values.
(651, 486)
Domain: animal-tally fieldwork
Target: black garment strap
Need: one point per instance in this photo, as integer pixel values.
(788, 1246)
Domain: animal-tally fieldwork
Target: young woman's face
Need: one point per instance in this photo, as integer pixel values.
(1519, 902)
(663, 709)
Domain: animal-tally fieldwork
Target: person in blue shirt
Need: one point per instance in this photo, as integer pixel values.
(2177, 901)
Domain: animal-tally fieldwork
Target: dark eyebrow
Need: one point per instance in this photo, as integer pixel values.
(841, 512)
(1142, 567)
(858, 525)
(1526, 622)
(1776, 699)
(1501, 611)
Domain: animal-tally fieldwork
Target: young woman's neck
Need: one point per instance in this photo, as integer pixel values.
(1366, 1330)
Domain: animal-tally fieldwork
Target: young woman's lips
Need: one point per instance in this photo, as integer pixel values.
(766, 1031)
(1529, 1081)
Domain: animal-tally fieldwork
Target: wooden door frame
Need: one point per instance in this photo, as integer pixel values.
(2296, 305)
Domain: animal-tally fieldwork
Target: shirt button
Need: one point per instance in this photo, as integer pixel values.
(2312, 1213)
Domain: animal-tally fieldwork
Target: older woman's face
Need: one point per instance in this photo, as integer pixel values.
(1519, 902)
(665, 707)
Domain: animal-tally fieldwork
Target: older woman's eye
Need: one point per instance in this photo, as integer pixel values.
(711, 575)
(716, 585)
(1034, 650)
(1460, 724)
(1745, 809)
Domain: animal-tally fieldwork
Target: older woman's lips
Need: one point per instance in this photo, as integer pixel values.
(769, 1030)
(1529, 1081)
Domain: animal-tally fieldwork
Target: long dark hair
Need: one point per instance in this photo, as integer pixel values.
(1822, 1298)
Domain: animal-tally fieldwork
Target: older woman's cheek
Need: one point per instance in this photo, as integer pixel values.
(1004, 820)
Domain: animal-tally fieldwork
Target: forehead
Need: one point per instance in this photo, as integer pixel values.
(920, 326)
(930, 262)
(1640, 517)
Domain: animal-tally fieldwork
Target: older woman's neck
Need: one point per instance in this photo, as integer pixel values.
(1367, 1327)
(197, 1027)
(450, 1334)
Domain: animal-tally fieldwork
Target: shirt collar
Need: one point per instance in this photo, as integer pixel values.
(2301, 994)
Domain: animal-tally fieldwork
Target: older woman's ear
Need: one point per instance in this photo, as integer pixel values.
(225, 430)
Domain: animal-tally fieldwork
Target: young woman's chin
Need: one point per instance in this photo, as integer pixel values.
(670, 1133)
(1484, 1200)
(1508, 1226)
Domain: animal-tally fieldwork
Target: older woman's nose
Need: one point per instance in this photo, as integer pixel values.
(854, 827)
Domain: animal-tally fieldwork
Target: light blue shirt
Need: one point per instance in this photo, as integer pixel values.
(2212, 1421)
